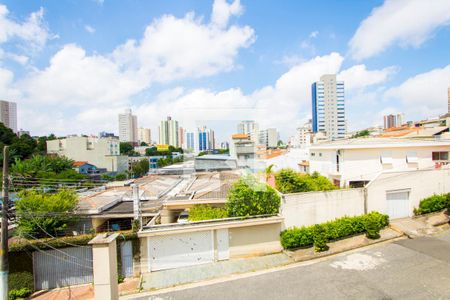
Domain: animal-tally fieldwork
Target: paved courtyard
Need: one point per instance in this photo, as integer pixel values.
(406, 269)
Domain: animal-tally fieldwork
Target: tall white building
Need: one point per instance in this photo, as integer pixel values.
(304, 136)
(145, 135)
(8, 114)
(249, 127)
(328, 107)
(168, 132)
(128, 131)
(268, 137)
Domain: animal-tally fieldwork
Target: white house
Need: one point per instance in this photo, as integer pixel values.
(102, 152)
(355, 162)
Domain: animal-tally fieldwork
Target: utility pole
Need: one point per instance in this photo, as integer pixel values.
(4, 265)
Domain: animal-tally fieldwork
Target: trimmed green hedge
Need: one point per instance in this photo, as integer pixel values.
(318, 235)
(202, 212)
(432, 204)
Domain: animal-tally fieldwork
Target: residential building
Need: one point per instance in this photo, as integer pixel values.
(128, 131)
(190, 141)
(8, 114)
(224, 145)
(168, 132)
(243, 148)
(392, 121)
(104, 134)
(22, 132)
(181, 137)
(206, 139)
(303, 137)
(448, 91)
(249, 127)
(268, 138)
(83, 167)
(328, 107)
(103, 153)
(145, 135)
(355, 162)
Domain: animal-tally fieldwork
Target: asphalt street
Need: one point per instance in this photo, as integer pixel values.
(406, 269)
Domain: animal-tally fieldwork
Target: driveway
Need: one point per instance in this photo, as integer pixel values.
(407, 269)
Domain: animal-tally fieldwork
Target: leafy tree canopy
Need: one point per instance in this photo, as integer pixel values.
(248, 197)
(43, 215)
(289, 181)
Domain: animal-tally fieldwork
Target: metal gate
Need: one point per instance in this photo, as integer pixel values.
(180, 250)
(126, 253)
(398, 204)
(62, 267)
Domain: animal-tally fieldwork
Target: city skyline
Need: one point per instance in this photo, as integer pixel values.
(76, 74)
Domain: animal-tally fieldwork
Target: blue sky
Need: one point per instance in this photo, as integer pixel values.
(72, 66)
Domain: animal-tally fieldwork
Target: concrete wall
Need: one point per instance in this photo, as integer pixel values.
(254, 240)
(303, 209)
(421, 184)
(245, 238)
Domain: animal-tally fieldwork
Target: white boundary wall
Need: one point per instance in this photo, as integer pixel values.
(419, 183)
(303, 209)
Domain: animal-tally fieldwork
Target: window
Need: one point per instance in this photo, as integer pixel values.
(313, 154)
(411, 157)
(440, 156)
(386, 157)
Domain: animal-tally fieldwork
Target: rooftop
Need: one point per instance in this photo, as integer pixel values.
(367, 143)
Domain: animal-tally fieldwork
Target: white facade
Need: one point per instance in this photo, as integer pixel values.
(329, 107)
(128, 131)
(303, 136)
(243, 149)
(101, 152)
(249, 127)
(168, 132)
(8, 114)
(145, 135)
(268, 137)
(358, 161)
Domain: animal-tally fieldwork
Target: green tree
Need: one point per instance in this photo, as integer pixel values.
(42, 166)
(289, 181)
(126, 148)
(41, 214)
(140, 168)
(143, 144)
(23, 147)
(248, 197)
(268, 171)
(361, 133)
(121, 176)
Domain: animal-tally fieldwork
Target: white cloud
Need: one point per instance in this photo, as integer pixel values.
(175, 48)
(283, 105)
(76, 79)
(358, 77)
(424, 94)
(170, 49)
(33, 31)
(7, 91)
(222, 11)
(314, 34)
(398, 22)
(89, 29)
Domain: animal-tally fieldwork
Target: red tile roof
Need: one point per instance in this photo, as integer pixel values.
(78, 164)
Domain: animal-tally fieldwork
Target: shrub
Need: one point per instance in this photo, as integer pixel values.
(201, 212)
(432, 204)
(297, 237)
(20, 285)
(318, 235)
(19, 294)
(248, 197)
(289, 181)
(320, 238)
(121, 176)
